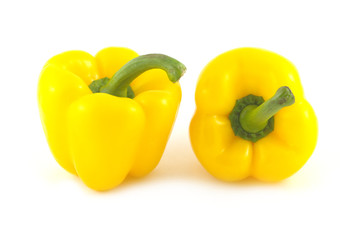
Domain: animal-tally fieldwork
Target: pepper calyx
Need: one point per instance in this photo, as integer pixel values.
(96, 86)
(119, 83)
(252, 117)
(241, 104)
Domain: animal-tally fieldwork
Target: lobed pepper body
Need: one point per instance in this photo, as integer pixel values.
(97, 136)
(235, 75)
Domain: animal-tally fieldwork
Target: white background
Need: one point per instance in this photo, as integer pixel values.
(179, 199)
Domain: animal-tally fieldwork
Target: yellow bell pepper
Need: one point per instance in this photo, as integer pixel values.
(106, 117)
(235, 133)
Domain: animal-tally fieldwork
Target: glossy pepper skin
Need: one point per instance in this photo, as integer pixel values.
(100, 137)
(232, 76)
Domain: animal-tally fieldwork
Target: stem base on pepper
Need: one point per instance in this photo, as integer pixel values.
(120, 82)
(234, 117)
(96, 86)
(252, 117)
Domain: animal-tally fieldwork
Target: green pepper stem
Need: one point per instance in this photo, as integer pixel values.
(120, 81)
(254, 118)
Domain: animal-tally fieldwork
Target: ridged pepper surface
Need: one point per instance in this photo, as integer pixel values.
(235, 133)
(108, 116)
